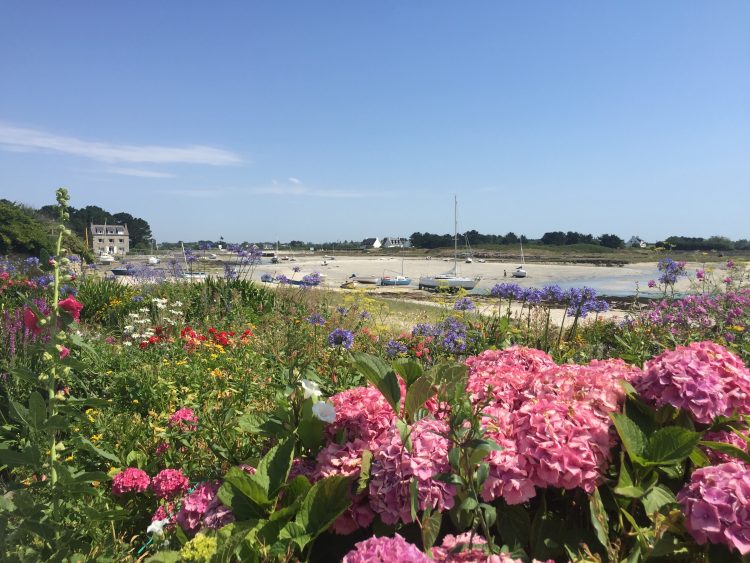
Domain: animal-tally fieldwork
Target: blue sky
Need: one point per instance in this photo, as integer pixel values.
(340, 120)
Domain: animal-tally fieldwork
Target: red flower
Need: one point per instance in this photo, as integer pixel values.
(30, 322)
(64, 352)
(143, 344)
(72, 307)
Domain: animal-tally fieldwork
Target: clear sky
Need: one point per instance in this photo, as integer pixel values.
(332, 120)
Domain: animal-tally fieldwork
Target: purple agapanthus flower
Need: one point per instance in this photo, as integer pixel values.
(464, 304)
(341, 337)
(394, 348)
(316, 319)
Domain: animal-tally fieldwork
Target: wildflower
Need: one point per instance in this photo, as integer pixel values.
(341, 337)
(200, 549)
(700, 274)
(727, 280)
(310, 389)
(64, 352)
(72, 307)
(316, 319)
(30, 321)
(169, 483)
(464, 304)
(365, 316)
(324, 412)
(131, 480)
(184, 419)
(157, 527)
(730, 264)
(395, 348)
(385, 549)
(652, 283)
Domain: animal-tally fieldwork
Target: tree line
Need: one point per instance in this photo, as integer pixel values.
(138, 229)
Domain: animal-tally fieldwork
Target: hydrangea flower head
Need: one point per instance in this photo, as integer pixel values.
(184, 419)
(169, 483)
(385, 550)
(703, 378)
(132, 480)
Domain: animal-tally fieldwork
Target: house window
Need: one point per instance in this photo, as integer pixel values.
(120, 240)
(101, 240)
(111, 240)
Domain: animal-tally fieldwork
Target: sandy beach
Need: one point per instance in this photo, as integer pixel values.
(606, 280)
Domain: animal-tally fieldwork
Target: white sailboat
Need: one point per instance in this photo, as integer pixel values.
(450, 280)
(520, 272)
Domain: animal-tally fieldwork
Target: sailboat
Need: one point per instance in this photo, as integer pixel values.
(520, 272)
(398, 279)
(450, 280)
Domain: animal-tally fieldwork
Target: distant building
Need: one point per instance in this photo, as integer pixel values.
(369, 243)
(635, 242)
(109, 239)
(395, 242)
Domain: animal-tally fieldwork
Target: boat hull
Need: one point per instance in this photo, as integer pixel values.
(395, 281)
(369, 280)
(447, 283)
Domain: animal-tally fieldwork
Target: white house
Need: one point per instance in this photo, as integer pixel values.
(369, 243)
(635, 242)
(395, 242)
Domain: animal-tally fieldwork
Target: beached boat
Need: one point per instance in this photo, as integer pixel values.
(395, 280)
(194, 276)
(123, 271)
(520, 272)
(153, 260)
(450, 280)
(105, 258)
(365, 279)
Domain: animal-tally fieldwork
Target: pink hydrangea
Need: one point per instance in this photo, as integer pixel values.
(202, 508)
(566, 445)
(394, 467)
(716, 504)
(465, 548)
(703, 378)
(184, 419)
(510, 474)
(169, 483)
(727, 437)
(506, 372)
(385, 550)
(361, 413)
(131, 480)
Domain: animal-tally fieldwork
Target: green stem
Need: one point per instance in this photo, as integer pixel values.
(52, 375)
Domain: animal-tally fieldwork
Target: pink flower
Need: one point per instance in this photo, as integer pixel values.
(72, 307)
(385, 550)
(466, 548)
(64, 352)
(184, 419)
(652, 283)
(716, 504)
(361, 413)
(727, 280)
(131, 480)
(700, 274)
(161, 448)
(169, 483)
(393, 469)
(30, 322)
(202, 508)
(703, 378)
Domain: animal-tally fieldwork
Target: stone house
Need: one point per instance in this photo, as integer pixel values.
(109, 239)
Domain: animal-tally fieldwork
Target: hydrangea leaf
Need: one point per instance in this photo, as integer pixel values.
(656, 498)
(409, 370)
(274, 468)
(416, 395)
(729, 449)
(325, 502)
(670, 445)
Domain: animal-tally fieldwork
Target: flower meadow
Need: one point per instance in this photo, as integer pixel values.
(227, 421)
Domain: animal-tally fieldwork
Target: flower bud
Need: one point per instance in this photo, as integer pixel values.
(60, 447)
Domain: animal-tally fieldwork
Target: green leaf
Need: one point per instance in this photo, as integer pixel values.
(408, 369)
(599, 518)
(364, 472)
(274, 468)
(37, 410)
(431, 522)
(325, 502)
(243, 495)
(670, 445)
(633, 438)
(547, 535)
(85, 444)
(19, 413)
(656, 498)
(391, 390)
(414, 498)
(404, 433)
(29, 456)
(164, 557)
(417, 394)
(371, 367)
(625, 486)
(296, 489)
(311, 429)
(57, 422)
(728, 449)
(699, 458)
(490, 513)
(480, 448)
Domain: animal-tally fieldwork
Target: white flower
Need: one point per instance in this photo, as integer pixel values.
(127, 343)
(310, 388)
(178, 303)
(144, 310)
(128, 328)
(325, 412)
(157, 527)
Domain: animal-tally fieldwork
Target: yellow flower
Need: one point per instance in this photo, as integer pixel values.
(69, 458)
(136, 401)
(96, 438)
(737, 328)
(201, 548)
(216, 372)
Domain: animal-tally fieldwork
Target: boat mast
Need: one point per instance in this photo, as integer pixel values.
(455, 235)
